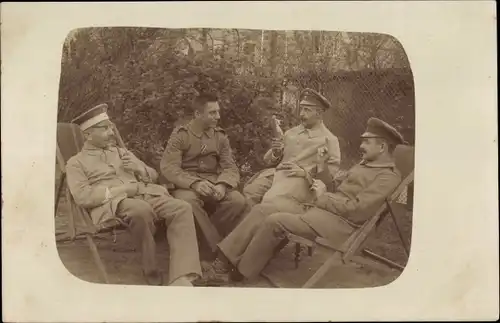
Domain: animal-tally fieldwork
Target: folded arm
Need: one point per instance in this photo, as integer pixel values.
(383, 185)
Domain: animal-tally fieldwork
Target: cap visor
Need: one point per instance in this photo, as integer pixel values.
(307, 102)
(106, 122)
(370, 135)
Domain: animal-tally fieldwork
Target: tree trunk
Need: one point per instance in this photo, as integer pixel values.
(274, 64)
(204, 39)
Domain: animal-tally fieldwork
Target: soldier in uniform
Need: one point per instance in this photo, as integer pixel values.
(296, 156)
(198, 160)
(335, 215)
(260, 183)
(111, 182)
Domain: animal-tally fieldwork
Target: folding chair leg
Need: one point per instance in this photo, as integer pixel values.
(298, 248)
(97, 258)
(323, 270)
(398, 229)
(280, 246)
(409, 197)
(59, 191)
(384, 260)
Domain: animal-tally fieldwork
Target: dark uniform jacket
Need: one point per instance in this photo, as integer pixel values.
(361, 191)
(193, 154)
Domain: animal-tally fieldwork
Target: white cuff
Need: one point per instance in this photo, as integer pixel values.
(107, 195)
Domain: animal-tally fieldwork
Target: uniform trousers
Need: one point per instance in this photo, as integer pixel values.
(254, 242)
(256, 189)
(227, 212)
(141, 211)
(235, 244)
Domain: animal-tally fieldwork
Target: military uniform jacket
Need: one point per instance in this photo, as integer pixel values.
(93, 170)
(301, 146)
(194, 154)
(361, 192)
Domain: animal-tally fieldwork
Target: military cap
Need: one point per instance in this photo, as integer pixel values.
(376, 128)
(311, 97)
(92, 117)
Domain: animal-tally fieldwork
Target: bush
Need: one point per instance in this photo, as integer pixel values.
(149, 83)
(149, 92)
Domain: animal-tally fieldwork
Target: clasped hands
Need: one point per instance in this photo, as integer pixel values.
(207, 189)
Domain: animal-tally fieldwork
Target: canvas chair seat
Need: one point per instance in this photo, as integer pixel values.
(345, 251)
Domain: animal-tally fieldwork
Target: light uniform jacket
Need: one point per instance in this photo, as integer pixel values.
(194, 154)
(93, 170)
(360, 193)
(301, 146)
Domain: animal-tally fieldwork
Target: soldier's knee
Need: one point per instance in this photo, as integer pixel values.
(184, 207)
(254, 193)
(180, 210)
(237, 200)
(277, 219)
(139, 209)
(141, 215)
(275, 223)
(186, 196)
(248, 190)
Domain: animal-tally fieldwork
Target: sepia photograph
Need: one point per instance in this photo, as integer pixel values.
(234, 157)
(249, 161)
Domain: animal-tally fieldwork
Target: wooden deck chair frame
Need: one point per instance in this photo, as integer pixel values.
(347, 251)
(88, 229)
(76, 213)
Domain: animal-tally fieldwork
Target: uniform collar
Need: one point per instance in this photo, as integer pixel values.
(91, 149)
(196, 129)
(378, 164)
(315, 131)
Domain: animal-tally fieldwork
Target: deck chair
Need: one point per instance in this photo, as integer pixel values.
(70, 141)
(346, 251)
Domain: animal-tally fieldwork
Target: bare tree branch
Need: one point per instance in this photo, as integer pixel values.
(239, 41)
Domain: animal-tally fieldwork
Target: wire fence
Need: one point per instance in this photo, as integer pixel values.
(356, 96)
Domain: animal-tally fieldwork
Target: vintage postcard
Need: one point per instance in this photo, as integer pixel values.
(225, 161)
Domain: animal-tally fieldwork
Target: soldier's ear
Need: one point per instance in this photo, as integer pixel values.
(385, 146)
(86, 134)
